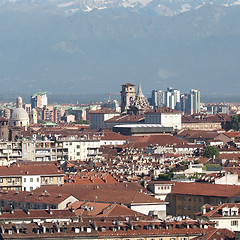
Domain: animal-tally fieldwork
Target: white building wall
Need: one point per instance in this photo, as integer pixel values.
(30, 182)
(44, 100)
(148, 209)
(228, 179)
(166, 119)
(112, 142)
(228, 223)
(67, 202)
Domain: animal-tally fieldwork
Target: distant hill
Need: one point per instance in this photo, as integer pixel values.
(43, 48)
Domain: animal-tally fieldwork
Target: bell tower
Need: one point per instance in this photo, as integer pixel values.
(128, 95)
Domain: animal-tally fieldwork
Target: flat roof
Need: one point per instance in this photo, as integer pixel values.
(139, 126)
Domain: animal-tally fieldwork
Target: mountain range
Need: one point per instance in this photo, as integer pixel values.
(93, 46)
(159, 7)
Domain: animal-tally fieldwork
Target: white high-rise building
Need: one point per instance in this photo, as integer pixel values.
(172, 98)
(158, 98)
(194, 101)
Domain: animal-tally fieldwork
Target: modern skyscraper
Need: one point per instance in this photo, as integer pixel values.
(157, 99)
(193, 101)
(172, 98)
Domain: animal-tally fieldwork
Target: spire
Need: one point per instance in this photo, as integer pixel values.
(139, 93)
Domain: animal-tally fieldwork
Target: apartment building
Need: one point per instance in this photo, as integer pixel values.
(27, 177)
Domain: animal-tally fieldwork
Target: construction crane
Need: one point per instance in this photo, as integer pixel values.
(110, 95)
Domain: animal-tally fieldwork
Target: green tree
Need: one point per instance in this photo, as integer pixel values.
(164, 177)
(211, 151)
(235, 120)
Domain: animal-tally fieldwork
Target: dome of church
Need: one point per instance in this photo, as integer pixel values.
(19, 115)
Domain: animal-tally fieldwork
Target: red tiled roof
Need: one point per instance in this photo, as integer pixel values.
(205, 189)
(37, 213)
(161, 140)
(126, 118)
(163, 110)
(128, 84)
(104, 110)
(30, 169)
(116, 192)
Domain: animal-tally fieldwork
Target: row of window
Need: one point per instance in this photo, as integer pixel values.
(17, 180)
(163, 187)
(192, 198)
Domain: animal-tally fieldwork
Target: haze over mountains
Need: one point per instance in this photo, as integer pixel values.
(90, 46)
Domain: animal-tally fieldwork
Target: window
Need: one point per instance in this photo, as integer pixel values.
(78, 146)
(17, 180)
(31, 188)
(37, 179)
(9, 180)
(234, 223)
(51, 179)
(24, 179)
(78, 153)
(1, 180)
(31, 179)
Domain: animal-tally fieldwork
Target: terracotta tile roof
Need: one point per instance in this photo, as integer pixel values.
(205, 189)
(128, 84)
(126, 119)
(129, 193)
(233, 134)
(161, 140)
(33, 197)
(163, 110)
(113, 136)
(217, 118)
(216, 234)
(37, 213)
(30, 169)
(104, 110)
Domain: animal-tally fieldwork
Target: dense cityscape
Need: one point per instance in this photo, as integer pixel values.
(166, 167)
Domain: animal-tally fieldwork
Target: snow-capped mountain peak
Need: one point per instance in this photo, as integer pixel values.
(160, 7)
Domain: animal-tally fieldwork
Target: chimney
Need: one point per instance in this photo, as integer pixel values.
(204, 210)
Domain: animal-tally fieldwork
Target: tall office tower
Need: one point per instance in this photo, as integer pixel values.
(172, 98)
(194, 101)
(176, 94)
(128, 95)
(184, 102)
(39, 100)
(157, 99)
